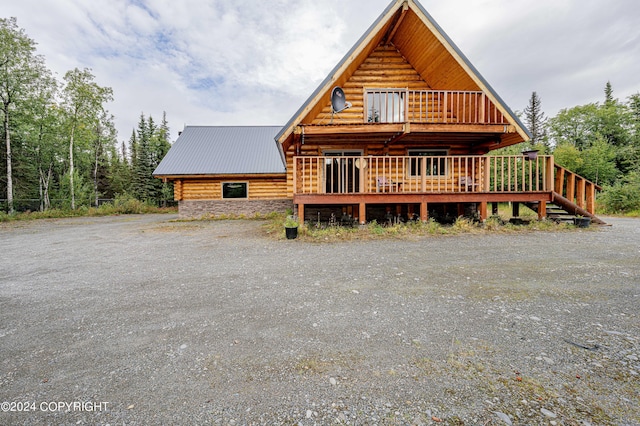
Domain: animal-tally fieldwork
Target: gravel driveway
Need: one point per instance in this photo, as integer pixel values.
(140, 320)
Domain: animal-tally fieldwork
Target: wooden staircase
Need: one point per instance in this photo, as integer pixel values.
(573, 196)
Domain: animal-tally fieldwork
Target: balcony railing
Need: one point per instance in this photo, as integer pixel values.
(430, 106)
(421, 174)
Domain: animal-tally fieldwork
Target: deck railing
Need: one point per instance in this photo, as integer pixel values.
(576, 189)
(430, 106)
(422, 174)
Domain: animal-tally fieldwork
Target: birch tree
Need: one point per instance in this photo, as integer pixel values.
(19, 69)
(83, 103)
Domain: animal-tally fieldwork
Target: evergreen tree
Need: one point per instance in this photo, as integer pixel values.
(163, 191)
(119, 174)
(150, 144)
(536, 121)
(142, 165)
(105, 137)
(608, 94)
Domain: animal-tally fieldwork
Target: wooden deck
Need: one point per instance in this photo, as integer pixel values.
(421, 180)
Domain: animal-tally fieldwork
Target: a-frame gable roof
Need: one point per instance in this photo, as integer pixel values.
(440, 63)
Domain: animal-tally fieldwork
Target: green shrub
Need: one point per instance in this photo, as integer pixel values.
(621, 197)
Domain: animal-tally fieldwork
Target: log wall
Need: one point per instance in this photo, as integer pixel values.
(272, 188)
(385, 68)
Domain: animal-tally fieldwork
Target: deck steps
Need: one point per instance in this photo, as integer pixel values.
(564, 211)
(554, 212)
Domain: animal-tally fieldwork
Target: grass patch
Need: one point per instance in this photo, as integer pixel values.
(124, 205)
(308, 231)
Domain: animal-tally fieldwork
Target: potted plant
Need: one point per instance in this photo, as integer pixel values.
(530, 154)
(581, 221)
(291, 225)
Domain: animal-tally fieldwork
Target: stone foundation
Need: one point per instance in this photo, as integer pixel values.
(196, 209)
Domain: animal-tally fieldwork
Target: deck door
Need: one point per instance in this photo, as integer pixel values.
(341, 172)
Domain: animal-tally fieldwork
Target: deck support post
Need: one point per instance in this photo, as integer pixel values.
(483, 210)
(542, 209)
(301, 213)
(424, 212)
(515, 209)
(362, 214)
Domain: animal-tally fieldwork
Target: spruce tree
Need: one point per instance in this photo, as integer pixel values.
(536, 121)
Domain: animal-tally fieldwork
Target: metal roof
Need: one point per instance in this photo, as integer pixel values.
(209, 150)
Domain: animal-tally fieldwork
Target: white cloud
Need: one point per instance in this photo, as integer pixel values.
(256, 62)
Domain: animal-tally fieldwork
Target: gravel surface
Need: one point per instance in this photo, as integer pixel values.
(137, 320)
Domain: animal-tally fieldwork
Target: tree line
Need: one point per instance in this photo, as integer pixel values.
(61, 147)
(599, 141)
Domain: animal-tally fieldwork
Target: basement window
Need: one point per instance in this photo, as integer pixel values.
(235, 190)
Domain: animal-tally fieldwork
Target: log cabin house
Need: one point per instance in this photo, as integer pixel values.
(401, 127)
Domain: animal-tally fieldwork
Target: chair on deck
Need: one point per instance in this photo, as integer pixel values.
(467, 184)
(384, 184)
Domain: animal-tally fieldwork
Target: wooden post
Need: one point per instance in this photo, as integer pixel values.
(295, 175)
(542, 209)
(483, 211)
(580, 193)
(301, 213)
(486, 187)
(571, 187)
(559, 183)
(460, 209)
(550, 166)
(515, 209)
(591, 198)
(424, 212)
(363, 213)
(361, 172)
(423, 174)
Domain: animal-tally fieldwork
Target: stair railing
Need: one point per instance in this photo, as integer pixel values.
(576, 189)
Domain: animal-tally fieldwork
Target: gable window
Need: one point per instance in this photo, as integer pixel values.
(435, 162)
(385, 105)
(235, 190)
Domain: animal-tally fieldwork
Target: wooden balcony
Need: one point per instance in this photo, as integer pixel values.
(406, 175)
(389, 114)
(385, 106)
(455, 107)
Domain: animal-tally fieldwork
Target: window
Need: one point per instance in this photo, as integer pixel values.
(434, 166)
(235, 190)
(385, 105)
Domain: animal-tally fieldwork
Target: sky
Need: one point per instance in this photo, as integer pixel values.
(255, 62)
